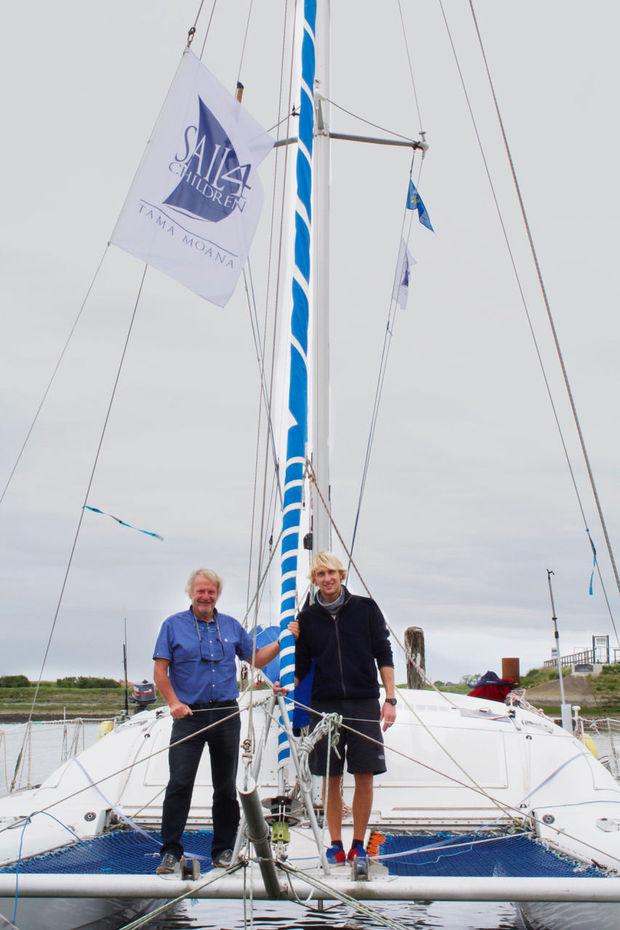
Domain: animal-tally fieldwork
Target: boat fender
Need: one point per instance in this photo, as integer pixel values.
(105, 727)
(375, 842)
(589, 743)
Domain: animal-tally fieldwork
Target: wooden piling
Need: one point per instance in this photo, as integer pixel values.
(415, 655)
(511, 670)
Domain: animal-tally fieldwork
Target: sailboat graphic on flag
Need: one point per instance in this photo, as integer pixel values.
(195, 202)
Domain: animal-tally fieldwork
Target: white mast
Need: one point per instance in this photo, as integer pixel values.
(319, 433)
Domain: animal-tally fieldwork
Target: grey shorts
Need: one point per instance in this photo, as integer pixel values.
(362, 755)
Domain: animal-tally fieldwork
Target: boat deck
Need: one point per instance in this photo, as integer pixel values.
(125, 852)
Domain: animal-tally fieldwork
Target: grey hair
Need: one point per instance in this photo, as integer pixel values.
(207, 573)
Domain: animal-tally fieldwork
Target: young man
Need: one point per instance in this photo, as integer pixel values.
(196, 672)
(346, 637)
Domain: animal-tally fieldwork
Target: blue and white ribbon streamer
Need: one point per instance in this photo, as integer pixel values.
(591, 588)
(123, 522)
(298, 385)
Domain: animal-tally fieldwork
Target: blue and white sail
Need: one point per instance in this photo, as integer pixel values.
(297, 433)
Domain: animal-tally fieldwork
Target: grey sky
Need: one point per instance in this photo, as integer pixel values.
(468, 501)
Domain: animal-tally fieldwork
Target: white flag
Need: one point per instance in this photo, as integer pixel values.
(404, 266)
(195, 202)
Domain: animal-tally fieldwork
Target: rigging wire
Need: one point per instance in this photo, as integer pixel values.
(89, 485)
(277, 125)
(268, 393)
(208, 29)
(413, 85)
(53, 375)
(508, 809)
(385, 350)
(546, 301)
(245, 39)
(523, 297)
(392, 132)
(265, 400)
(262, 533)
(197, 17)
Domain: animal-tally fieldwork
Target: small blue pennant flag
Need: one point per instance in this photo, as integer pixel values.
(123, 522)
(415, 202)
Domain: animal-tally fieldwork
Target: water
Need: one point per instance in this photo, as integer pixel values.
(231, 915)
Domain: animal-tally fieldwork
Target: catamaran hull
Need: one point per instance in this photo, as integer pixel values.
(63, 913)
(549, 915)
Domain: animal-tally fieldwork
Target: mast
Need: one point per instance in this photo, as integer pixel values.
(321, 527)
(297, 433)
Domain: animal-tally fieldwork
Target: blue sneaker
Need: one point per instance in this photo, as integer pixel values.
(335, 854)
(357, 851)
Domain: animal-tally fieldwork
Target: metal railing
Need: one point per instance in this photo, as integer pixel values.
(586, 657)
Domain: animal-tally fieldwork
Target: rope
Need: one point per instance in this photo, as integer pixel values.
(132, 765)
(448, 844)
(147, 918)
(546, 302)
(27, 822)
(477, 787)
(53, 376)
(90, 481)
(508, 809)
(371, 912)
(328, 725)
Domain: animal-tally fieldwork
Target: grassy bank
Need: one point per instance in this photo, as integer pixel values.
(54, 702)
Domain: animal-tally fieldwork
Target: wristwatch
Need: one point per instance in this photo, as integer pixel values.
(391, 701)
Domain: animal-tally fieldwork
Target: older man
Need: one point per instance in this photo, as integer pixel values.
(196, 672)
(347, 638)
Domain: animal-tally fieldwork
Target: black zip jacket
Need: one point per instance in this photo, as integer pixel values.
(347, 649)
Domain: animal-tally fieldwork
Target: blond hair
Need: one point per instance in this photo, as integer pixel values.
(327, 560)
(207, 573)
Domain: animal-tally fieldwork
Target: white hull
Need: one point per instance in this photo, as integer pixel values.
(555, 916)
(459, 764)
(62, 913)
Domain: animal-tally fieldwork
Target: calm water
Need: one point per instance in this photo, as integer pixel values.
(229, 915)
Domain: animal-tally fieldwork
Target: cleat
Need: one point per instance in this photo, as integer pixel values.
(335, 854)
(357, 851)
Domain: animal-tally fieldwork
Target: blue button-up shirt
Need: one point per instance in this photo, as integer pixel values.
(202, 655)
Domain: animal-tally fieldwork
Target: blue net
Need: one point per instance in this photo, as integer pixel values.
(123, 852)
(453, 855)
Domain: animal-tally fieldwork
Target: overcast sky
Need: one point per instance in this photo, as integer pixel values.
(468, 500)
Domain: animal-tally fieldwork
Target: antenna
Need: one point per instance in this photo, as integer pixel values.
(125, 665)
(565, 709)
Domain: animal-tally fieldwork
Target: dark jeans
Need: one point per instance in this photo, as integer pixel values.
(223, 743)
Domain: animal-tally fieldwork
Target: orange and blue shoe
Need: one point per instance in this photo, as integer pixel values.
(336, 854)
(357, 851)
